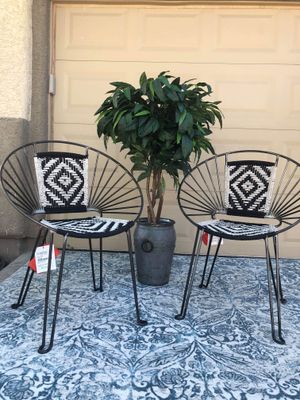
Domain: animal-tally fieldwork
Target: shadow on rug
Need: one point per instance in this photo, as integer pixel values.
(222, 350)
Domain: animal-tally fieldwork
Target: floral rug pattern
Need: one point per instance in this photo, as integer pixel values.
(222, 350)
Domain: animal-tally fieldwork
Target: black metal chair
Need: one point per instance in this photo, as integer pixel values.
(242, 195)
(45, 178)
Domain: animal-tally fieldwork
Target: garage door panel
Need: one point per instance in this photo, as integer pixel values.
(294, 96)
(245, 31)
(89, 31)
(164, 31)
(296, 34)
(238, 139)
(81, 88)
(295, 107)
(159, 34)
(251, 95)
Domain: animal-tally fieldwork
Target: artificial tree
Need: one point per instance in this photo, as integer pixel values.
(160, 123)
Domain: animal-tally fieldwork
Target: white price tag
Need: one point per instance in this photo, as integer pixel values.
(215, 241)
(41, 258)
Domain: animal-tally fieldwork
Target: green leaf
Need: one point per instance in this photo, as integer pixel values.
(163, 73)
(115, 99)
(219, 116)
(118, 116)
(138, 107)
(151, 87)
(163, 185)
(164, 80)
(187, 123)
(142, 113)
(143, 79)
(158, 90)
(119, 84)
(143, 175)
(171, 94)
(186, 146)
(182, 117)
(150, 126)
(189, 80)
(181, 107)
(127, 93)
(176, 81)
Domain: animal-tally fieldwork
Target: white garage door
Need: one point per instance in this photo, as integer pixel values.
(250, 56)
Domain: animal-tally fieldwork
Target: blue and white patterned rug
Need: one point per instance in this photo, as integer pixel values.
(222, 350)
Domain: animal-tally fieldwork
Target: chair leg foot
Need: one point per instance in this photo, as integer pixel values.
(142, 322)
(179, 317)
(15, 306)
(44, 349)
(279, 340)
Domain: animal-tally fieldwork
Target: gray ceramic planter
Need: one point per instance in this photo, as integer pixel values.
(154, 249)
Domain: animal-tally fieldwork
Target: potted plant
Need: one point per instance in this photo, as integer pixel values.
(160, 123)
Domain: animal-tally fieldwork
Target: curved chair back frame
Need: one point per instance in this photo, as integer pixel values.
(204, 192)
(112, 189)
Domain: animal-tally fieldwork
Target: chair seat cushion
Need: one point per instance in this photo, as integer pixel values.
(93, 227)
(237, 230)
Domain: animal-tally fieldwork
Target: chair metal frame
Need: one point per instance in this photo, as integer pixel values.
(202, 195)
(113, 190)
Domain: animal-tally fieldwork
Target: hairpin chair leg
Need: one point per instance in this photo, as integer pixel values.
(101, 263)
(43, 347)
(276, 251)
(29, 272)
(129, 241)
(282, 299)
(277, 338)
(93, 268)
(191, 275)
(202, 284)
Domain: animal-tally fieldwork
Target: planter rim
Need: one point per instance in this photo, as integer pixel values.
(163, 222)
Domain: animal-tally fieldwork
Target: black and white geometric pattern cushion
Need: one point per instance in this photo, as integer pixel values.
(248, 187)
(92, 227)
(237, 230)
(62, 181)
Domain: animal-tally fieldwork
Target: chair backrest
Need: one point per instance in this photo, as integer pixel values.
(248, 187)
(246, 183)
(47, 177)
(62, 181)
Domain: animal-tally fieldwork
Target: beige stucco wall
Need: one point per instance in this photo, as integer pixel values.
(15, 108)
(15, 58)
